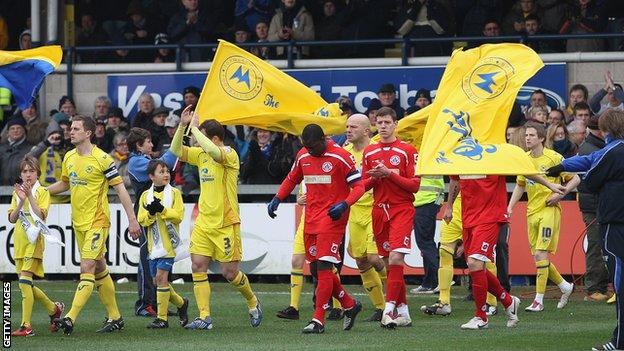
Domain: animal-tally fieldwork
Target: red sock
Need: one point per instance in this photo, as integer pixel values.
(402, 293)
(479, 292)
(394, 283)
(341, 294)
(495, 288)
(323, 293)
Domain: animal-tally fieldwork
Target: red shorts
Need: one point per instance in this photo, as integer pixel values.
(324, 247)
(480, 241)
(393, 229)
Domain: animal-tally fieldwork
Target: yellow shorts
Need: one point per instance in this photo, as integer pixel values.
(92, 243)
(220, 244)
(452, 231)
(298, 245)
(543, 228)
(33, 265)
(361, 240)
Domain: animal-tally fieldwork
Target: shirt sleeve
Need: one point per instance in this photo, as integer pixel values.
(351, 172)
(64, 171)
(110, 171)
(229, 158)
(294, 177)
(13, 204)
(175, 213)
(169, 158)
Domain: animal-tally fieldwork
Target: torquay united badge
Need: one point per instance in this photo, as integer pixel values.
(240, 78)
(487, 81)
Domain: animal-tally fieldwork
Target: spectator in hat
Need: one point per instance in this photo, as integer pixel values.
(102, 137)
(371, 111)
(158, 131)
(171, 124)
(13, 150)
(421, 100)
(191, 96)
(139, 30)
(241, 34)
(101, 107)
(35, 125)
(67, 106)
(116, 121)
(387, 97)
(25, 40)
(163, 54)
(59, 116)
(262, 34)
(143, 117)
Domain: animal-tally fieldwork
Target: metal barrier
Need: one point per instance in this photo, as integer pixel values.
(292, 62)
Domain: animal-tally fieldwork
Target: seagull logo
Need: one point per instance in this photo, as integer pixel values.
(242, 77)
(488, 81)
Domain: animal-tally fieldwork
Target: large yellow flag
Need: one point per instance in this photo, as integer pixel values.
(466, 131)
(411, 127)
(243, 89)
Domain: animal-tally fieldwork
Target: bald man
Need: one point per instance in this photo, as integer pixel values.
(362, 245)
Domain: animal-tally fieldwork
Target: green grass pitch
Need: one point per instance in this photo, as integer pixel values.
(577, 327)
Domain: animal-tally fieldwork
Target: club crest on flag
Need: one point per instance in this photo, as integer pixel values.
(240, 78)
(488, 80)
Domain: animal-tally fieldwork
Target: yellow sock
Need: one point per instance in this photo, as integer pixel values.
(162, 300)
(241, 283)
(445, 275)
(175, 298)
(383, 275)
(201, 288)
(44, 300)
(106, 291)
(296, 284)
(335, 302)
(372, 284)
(28, 300)
(83, 292)
(542, 276)
(554, 275)
(491, 299)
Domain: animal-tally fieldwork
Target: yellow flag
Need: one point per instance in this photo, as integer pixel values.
(466, 131)
(243, 89)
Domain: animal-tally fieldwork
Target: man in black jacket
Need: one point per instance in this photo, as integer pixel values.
(596, 276)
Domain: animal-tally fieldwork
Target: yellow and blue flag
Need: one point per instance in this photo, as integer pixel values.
(465, 133)
(243, 89)
(23, 72)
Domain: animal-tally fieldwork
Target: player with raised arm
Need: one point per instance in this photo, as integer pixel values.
(543, 215)
(87, 172)
(329, 173)
(216, 232)
(388, 167)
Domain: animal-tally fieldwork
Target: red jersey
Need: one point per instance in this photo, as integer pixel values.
(400, 157)
(327, 179)
(484, 199)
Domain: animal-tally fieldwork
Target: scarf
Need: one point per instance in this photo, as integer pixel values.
(34, 229)
(158, 249)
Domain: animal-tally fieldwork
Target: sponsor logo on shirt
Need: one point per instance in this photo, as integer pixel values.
(317, 179)
(74, 180)
(205, 176)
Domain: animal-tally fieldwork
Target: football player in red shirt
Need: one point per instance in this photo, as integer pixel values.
(388, 167)
(329, 172)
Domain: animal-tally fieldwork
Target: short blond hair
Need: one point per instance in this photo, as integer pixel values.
(612, 122)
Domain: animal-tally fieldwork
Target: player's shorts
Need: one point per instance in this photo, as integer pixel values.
(451, 231)
(298, 246)
(543, 228)
(361, 239)
(164, 263)
(220, 244)
(393, 229)
(29, 264)
(480, 241)
(92, 243)
(323, 247)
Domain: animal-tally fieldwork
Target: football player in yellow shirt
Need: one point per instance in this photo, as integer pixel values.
(216, 232)
(87, 172)
(29, 197)
(161, 209)
(362, 245)
(543, 215)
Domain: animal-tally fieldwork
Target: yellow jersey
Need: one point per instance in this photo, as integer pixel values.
(218, 198)
(361, 210)
(23, 247)
(89, 177)
(173, 214)
(537, 193)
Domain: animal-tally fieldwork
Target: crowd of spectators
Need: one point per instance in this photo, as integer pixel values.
(266, 157)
